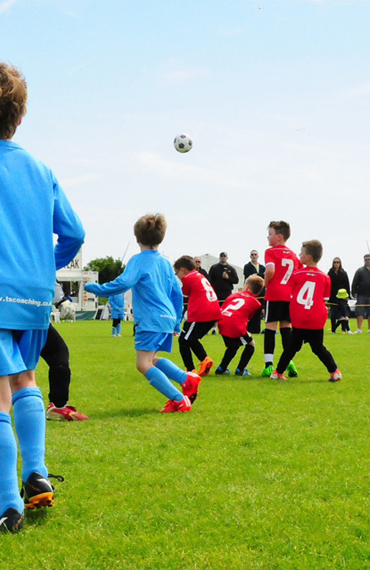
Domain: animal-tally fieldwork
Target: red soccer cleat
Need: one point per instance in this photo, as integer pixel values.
(276, 376)
(66, 414)
(191, 386)
(173, 406)
(205, 366)
(335, 376)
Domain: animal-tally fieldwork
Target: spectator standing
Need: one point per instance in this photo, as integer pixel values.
(223, 277)
(361, 292)
(198, 267)
(255, 268)
(339, 280)
(117, 305)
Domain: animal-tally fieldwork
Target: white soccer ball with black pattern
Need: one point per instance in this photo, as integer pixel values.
(183, 143)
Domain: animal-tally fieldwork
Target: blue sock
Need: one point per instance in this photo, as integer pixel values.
(29, 421)
(114, 331)
(9, 491)
(160, 381)
(171, 370)
(118, 328)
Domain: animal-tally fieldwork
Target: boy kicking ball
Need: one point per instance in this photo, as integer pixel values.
(157, 301)
(310, 290)
(237, 311)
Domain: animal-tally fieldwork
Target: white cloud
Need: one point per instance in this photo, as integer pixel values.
(4, 7)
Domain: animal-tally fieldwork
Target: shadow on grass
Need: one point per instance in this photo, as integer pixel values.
(124, 412)
(36, 517)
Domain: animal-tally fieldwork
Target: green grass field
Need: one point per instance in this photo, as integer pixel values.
(260, 474)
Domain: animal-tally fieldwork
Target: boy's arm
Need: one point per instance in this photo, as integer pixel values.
(123, 283)
(68, 227)
(178, 302)
(269, 273)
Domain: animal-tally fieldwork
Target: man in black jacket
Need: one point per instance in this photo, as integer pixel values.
(361, 292)
(223, 277)
(198, 267)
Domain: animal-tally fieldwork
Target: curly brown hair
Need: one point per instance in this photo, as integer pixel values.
(13, 100)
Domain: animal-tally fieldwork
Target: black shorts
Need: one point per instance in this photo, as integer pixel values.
(277, 311)
(236, 342)
(195, 331)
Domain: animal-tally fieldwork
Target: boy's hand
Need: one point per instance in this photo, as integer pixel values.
(176, 334)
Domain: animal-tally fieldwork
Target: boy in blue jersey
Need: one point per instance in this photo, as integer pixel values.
(157, 303)
(33, 207)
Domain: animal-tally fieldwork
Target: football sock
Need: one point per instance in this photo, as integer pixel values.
(171, 370)
(29, 421)
(269, 344)
(160, 381)
(114, 330)
(9, 490)
(118, 328)
(286, 334)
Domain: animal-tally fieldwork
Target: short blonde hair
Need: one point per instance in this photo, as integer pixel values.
(150, 229)
(255, 283)
(13, 100)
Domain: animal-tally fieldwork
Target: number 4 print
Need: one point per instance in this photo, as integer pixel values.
(305, 295)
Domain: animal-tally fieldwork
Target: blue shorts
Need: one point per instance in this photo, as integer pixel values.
(153, 341)
(20, 350)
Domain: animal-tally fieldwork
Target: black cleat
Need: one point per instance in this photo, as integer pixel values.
(37, 492)
(11, 521)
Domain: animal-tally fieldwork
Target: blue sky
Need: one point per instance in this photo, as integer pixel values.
(276, 95)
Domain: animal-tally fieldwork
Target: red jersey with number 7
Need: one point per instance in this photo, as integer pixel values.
(285, 263)
(203, 305)
(310, 289)
(237, 311)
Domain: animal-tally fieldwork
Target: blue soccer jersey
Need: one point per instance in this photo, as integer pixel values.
(32, 207)
(156, 293)
(117, 305)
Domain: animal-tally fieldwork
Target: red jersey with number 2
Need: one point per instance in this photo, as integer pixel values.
(237, 311)
(286, 263)
(203, 305)
(310, 289)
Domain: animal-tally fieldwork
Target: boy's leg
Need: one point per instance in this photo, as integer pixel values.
(118, 329)
(295, 346)
(316, 341)
(232, 346)
(269, 346)
(246, 356)
(170, 369)
(56, 355)
(9, 489)
(184, 347)
(157, 378)
(29, 421)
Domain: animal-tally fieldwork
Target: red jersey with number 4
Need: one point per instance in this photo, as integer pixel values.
(203, 304)
(286, 263)
(310, 289)
(237, 311)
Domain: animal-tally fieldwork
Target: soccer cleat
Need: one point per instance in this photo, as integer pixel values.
(174, 406)
(359, 331)
(335, 376)
(65, 414)
(191, 386)
(292, 371)
(11, 521)
(37, 492)
(244, 372)
(205, 366)
(276, 376)
(267, 371)
(221, 372)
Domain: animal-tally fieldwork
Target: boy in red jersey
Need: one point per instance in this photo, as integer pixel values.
(281, 262)
(203, 312)
(237, 311)
(310, 289)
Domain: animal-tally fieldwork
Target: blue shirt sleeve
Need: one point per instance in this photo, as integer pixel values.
(177, 301)
(67, 226)
(123, 283)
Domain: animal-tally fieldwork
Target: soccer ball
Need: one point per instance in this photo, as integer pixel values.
(183, 143)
